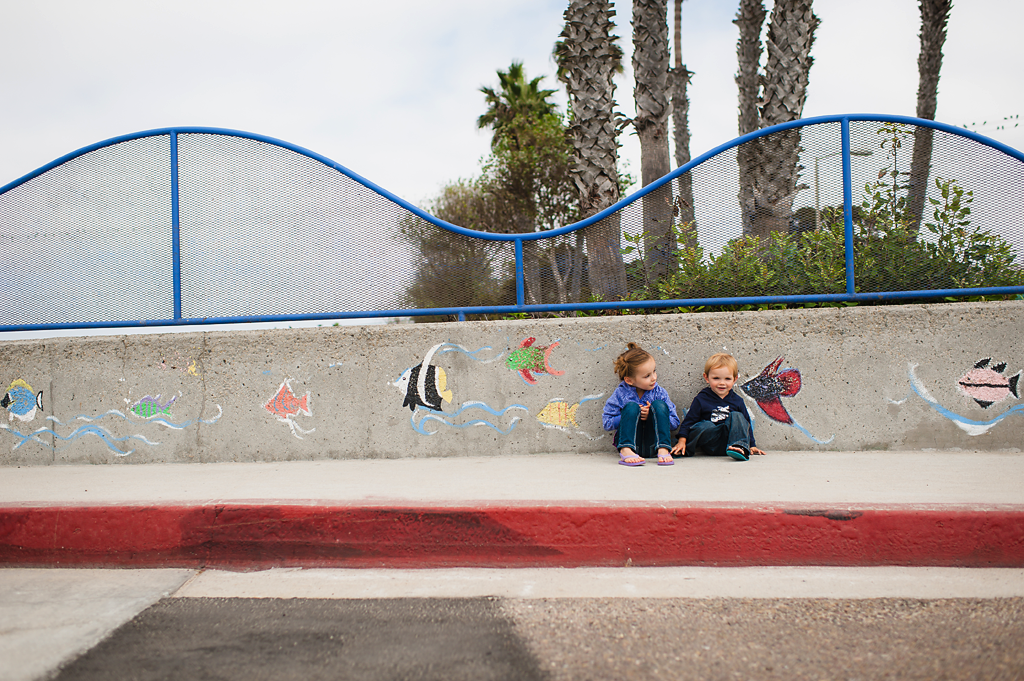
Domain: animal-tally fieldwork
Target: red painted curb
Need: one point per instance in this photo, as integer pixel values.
(242, 536)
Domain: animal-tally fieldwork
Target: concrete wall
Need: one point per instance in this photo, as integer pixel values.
(871, 378)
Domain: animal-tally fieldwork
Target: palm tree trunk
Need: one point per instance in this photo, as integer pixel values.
(577, 267)
(650, 71)
(776, 164)
(748, 56)
(679, 78)
(588, 59)
(934, 17)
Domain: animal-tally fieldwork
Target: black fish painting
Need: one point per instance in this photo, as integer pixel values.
(769, 386)
(427, 390)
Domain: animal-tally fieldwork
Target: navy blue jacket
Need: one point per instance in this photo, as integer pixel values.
(707, 406)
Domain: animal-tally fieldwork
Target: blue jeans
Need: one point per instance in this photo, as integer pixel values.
(644, 437)
(706, 437)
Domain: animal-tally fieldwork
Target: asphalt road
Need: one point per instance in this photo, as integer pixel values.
(250, 639)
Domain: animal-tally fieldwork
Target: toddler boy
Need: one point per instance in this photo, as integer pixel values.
(718, 421)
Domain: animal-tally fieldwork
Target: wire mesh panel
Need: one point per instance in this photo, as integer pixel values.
(90, 240)
(266, 231)
(455, 270)
(934, 210)
(746, 222)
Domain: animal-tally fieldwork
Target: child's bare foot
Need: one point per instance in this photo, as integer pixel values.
(665, 457)
(738, 453)
(627, 457)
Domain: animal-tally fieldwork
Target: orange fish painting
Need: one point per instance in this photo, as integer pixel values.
(563, 415)
(559, 413)
(285, 405)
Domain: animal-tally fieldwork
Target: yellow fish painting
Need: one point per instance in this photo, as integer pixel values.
(558, 413)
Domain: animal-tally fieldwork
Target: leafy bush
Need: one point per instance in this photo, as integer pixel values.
(889, 252)
(887, 257)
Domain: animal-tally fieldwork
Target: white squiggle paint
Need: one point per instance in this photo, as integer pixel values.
(220, 412)
(972, 428)
(295, 427)
(791, 425)
(566, 430)
(88, 419)
(455, 347)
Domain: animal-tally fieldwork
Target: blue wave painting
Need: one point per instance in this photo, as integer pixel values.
(427, 415)
(91, 428)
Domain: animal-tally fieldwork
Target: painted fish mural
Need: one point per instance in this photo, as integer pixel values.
(986, 384)
(969, 426)
(150, 406)
(20, 402)
(769, 386)
(285, 405)
(427, 388)
(529, 359)
(559, 413)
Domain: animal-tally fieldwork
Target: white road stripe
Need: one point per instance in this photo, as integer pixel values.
(669, 582)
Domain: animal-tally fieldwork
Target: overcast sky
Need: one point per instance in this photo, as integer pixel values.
(390, 90)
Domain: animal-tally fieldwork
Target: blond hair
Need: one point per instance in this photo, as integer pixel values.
(722, 359)
(627, 363)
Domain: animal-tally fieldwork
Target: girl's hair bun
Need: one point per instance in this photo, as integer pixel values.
(627, 362)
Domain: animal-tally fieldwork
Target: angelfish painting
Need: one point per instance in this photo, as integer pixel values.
(424, 384)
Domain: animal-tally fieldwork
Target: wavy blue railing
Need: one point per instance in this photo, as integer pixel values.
(850, 294)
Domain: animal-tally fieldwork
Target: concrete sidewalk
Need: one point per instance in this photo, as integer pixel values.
(788, 508)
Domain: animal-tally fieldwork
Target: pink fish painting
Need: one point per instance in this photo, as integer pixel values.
(285, 405)
(986, 384)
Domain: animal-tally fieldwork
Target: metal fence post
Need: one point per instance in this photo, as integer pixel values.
(848, 206)
(520, 277)
(175, 231)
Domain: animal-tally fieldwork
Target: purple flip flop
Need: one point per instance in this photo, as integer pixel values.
(623, 462)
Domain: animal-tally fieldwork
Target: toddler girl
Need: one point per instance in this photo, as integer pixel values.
(640, 411)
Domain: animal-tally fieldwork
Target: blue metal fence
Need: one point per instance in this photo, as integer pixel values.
(205, 225)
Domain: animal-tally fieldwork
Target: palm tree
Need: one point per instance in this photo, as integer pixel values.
(934, 17)
(516, 111)
(650, 92)
(515, 97)
(679, 78)
(749, 20)
(588, 59)
(774, 170)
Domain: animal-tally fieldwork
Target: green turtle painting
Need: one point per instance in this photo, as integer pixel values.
(529, 359)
